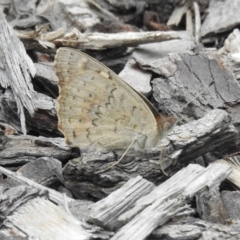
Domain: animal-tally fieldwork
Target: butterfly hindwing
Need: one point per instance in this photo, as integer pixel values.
(95, 107)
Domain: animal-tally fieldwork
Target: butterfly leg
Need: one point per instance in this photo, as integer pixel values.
(120, 159)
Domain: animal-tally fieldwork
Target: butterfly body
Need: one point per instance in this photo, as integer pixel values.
(99, 110)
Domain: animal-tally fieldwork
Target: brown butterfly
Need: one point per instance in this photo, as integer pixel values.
(98, 109)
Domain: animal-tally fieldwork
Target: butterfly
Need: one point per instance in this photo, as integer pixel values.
(97, 109)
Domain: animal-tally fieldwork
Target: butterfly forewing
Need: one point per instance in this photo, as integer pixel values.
(95, 107)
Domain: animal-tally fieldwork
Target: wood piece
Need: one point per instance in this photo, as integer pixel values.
(149, 54)
(231, 204)
(65, 226)
(45, 171)
(101, 11)
(177, 231)
(223, 16)
(20, 205)
(209, 206)
(166, 200)
(234, 163)
(45, 80)
(195, 228)
(44, 120)
(124, 5)
(184, 144)
(65, 14)
(102, 41)
(24, 8)
(16, 70)
(178, 13)
(137, 78)
(186, 80)
(125, 11)
(156, 214)
(54, 196)
(218, 208)
(229, 53)
(29, 209)
(118, 202)
(188, 138)
(231, 43)
(18, 150)
(197, 21)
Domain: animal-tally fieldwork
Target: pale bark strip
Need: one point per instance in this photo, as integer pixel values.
(41, 219)
(234, 163)
(103, 40)
(197, 21)
(119, 201)
(177, 14)
(16, 69)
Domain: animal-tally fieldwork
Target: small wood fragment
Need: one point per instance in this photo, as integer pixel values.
(197, 21)
(16, 70)
(234, 163)
(45, 171)
(177, 14)
(136, 77)
(55, 224)
(18, 150)
(99, 41)
(222, 16)
(195, 228)
(118, 202)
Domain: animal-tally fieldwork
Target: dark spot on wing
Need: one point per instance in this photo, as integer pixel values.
(93, 122)
(74, 134)
(68, 142)
(110, 77)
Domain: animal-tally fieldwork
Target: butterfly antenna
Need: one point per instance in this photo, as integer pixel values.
(120, 159)
(161, 149)
(211, 83)
(197, 95)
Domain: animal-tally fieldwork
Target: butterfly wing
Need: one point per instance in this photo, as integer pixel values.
(95, 107)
